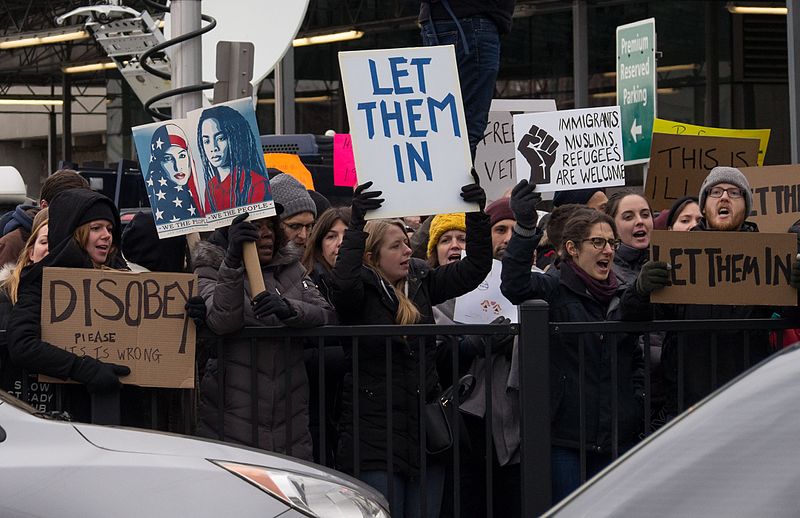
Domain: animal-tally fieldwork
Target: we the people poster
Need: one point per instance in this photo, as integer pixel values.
(202, 171)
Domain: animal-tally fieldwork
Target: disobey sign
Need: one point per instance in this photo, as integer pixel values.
(133, 319)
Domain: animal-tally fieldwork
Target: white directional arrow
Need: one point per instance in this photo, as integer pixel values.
(636, 130)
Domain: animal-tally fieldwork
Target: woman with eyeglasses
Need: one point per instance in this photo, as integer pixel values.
(582, 288)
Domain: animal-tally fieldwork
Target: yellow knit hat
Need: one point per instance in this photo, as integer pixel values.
(443, 223)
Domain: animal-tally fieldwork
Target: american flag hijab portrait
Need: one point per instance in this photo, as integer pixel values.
(171, 179)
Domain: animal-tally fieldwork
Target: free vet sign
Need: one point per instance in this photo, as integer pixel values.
(680, 163)
(495, 155)
(134, 319)
(571, 149)
(730, 268)
(408, 128)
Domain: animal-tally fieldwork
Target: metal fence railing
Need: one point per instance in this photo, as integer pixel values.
(534, 333)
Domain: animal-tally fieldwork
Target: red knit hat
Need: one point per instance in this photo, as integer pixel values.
(499, 210)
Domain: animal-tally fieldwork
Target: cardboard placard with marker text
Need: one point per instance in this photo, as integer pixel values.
(680, 163)
(776, 196)
(728, 268)
(133, 319)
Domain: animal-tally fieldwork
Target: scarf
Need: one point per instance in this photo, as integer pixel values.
(602, 291)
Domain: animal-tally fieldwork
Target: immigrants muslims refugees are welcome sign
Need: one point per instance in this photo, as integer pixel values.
(408, 128)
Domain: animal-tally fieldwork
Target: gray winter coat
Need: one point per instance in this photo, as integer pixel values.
(227, 297)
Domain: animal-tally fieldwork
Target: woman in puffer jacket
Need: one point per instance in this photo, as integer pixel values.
(290, 299)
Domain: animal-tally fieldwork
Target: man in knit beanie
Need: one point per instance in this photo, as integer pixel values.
(299, 210)
(502, 221)
(725, 200)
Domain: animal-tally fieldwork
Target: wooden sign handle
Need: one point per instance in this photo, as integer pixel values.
(253, 268)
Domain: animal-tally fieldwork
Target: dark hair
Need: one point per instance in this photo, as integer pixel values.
(678, 207)
(62, 180)
(578, 226)
(558, 218)
(323, 225)
(243, 152)
(612, 207)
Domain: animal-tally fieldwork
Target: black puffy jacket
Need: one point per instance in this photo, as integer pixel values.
(361, 296)
(569, 301)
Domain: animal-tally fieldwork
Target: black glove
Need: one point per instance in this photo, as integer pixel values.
(363, 201)
(794, 279)
(523, 204)
(475, 345)
(266, 304)
(654, 276)
(99, 377)
(239, 233)
(473, 192)
(196, 309)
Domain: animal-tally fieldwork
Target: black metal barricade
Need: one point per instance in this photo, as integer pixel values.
(534, 332)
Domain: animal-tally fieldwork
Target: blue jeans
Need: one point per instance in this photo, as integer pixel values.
(566, 469)
(477, 70)
(406, 491)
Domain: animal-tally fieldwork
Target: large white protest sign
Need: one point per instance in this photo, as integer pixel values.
(486, 302)
(573, 149)
(495, 156)
(408, 128)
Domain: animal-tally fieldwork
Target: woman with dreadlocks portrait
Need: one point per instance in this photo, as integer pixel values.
(233, 165)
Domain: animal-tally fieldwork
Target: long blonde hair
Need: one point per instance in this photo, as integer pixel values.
(11, 284)
(407, 312)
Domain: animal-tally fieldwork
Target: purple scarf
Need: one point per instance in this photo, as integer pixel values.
(603, 291)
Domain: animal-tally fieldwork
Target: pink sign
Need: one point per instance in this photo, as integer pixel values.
(344, 166)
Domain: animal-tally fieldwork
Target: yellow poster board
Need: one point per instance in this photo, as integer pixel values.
(682, 128)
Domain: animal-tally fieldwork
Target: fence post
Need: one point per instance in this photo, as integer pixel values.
(534, 404)
(106, 408)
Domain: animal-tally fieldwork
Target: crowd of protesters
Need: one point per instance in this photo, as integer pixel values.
(342, 267)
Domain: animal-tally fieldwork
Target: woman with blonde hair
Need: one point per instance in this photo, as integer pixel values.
(34, 250)
(376, 281)
(83, 232)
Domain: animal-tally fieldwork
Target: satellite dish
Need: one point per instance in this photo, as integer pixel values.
(270, 26)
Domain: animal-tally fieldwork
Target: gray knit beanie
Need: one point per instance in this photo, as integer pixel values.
(729, 175)
(291, 194)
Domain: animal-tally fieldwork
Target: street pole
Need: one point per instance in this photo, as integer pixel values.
(580, 53)
(187, 64)
(793, 39)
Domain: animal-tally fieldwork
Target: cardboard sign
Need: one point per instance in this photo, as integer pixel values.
(680, 163)
(344, 164)
(495, 154)
(681, 128)
(134, 319)
(776, 196)
(408, 128)
(731, 268)
(189, 166)
(573, 149)
(291, 165)
(486, 302)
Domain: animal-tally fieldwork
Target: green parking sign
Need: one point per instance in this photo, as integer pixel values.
(636, 87)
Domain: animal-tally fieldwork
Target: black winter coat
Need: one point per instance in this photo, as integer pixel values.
(25, 346)
(361, 296)
(570, 302)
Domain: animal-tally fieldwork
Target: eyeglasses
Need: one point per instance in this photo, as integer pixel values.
(733, 192)
(600, 242)
(297, 227)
